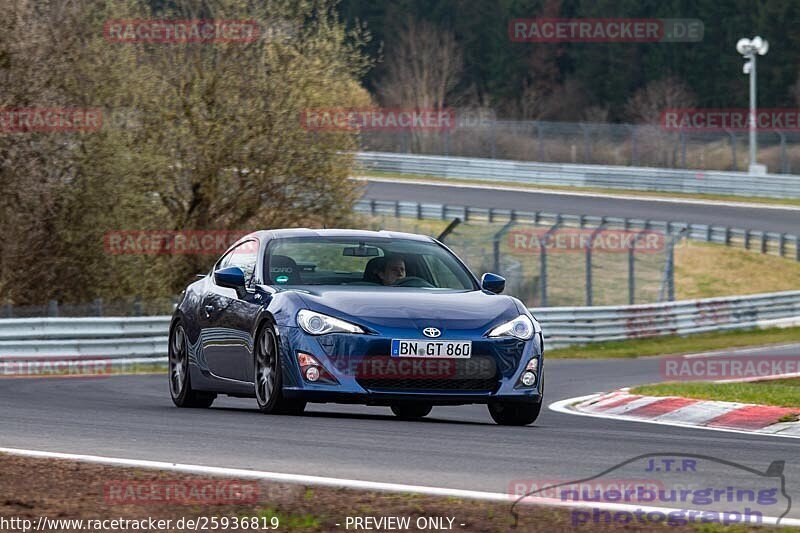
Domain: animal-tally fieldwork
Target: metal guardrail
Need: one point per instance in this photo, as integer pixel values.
(580, 325)
(598, 176)
(782, 244)
(120, 337)
(104, 337)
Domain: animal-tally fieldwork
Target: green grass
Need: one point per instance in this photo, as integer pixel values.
(700, 342)
(567, 188)
(289, 521)
(782, 393)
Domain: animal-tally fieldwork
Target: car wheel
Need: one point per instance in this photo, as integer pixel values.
(180, 382)
(269, 377)
(515, 413)
(411, 410)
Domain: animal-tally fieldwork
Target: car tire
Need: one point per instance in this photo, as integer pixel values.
(268, 376)
(409, 411)
(180, 380)
(515, 413)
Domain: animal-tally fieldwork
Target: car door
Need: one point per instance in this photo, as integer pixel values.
(228, 317)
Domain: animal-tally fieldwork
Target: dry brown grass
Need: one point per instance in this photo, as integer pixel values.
(707, 270)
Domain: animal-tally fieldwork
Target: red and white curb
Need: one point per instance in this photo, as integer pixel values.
(687, 412)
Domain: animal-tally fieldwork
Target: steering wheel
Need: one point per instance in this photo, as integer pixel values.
(411, 281)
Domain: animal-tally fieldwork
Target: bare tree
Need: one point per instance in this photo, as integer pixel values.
(658, 146)
(424, 67)
(217, 142)
(647, 105)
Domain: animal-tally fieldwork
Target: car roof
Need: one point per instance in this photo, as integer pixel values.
(353, 233)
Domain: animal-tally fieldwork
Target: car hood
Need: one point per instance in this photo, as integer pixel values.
(398, 307)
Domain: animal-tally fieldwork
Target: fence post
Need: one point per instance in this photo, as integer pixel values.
(671, 272)
(784, 159)
(763, 242)
(494, 139)
(587, 151)
(634, 154)
(543, 259)
(735, 165)
(540, 138)
(631, 277)
(782, 245)
(747, 239)
(52, 308)
(98, 306)
(496, 244)
(8, 310)
(683, 149)
(543, 274)
(137, 306)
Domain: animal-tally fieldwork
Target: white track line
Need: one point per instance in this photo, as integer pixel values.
(563, 406)
(351, 483)
(668, 200)
(735, 351)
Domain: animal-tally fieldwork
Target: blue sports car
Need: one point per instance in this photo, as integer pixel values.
(379, 318)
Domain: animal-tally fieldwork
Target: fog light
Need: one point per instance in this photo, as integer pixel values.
(306, 360)
(312, 373)
(532, 365)
(528, 379)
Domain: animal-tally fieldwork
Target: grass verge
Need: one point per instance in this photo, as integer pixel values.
(701, 342)
(782, 392)
(68, 490)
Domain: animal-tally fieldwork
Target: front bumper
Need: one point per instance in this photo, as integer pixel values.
(363, 372)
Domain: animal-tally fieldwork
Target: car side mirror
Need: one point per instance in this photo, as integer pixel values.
(493, 283)
(232, 278)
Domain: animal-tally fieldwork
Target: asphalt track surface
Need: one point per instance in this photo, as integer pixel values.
(455, 447)
(754, 218)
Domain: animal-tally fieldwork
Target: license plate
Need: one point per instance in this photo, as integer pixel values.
(443, 349)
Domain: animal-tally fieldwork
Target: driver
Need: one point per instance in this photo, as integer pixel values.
(394, 269)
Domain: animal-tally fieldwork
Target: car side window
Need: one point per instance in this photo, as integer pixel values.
(243, 256)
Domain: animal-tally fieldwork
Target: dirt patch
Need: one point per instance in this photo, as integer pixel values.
(66, 490)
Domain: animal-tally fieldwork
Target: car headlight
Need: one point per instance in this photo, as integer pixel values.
(521, 327)
(318, 324)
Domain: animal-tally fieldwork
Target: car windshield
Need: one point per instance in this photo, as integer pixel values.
(384, 262)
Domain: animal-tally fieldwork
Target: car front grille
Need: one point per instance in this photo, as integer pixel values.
(482, 384)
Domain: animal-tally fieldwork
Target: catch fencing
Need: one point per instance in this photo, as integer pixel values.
(592, 176)
(125, 337)
(642, 145)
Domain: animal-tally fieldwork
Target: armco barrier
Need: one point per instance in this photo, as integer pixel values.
(599, 176)
(121, 337)
(782, 244)
(578, 325)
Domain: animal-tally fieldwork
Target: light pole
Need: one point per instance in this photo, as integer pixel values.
(749, 48)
